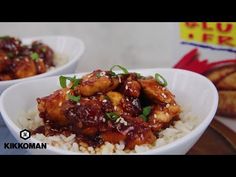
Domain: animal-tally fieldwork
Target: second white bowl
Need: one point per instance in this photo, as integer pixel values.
(70, 47)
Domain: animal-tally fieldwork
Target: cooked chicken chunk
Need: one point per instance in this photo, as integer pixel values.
(24, 67)
(4, 61)
(52, 107)
(97, 81)
(131, 86)
(163, 115)
(5, 77)
(44, 51)
(156, 92)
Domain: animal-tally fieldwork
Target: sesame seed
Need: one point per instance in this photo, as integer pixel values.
(164, 96)
(168, 105)
(102, 73)
(155, 116)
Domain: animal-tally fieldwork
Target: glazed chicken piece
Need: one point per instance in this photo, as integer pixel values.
(124, 105)
(44, 52)
(10, 45)
(163, 116)
(155, 92)
(40, 66)
(5, 77)
(4, 61)
(165, 109)
(52, 107)
(131, 87)
(145, 137)
(87, 116)
(97, 81)
(24, 67)
(116, 98)
(137, 132)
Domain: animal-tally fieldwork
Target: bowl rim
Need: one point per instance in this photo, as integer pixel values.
(199, 130)
(57, 69)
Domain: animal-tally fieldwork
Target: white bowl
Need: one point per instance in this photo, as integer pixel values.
(71, 47)
(192, 91)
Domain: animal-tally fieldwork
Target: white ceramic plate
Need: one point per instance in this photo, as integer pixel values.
(70, 47)
(192, 91)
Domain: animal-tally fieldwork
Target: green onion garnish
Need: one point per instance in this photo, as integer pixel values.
(34, 56)
(125, 71)
(44, 49)
(73, 98)
(112, 115)
(161, 80)
(146, 112)
(63, 80)
(10, 55)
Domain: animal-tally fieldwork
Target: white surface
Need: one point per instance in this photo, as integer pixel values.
(71, 47)
(192, 91)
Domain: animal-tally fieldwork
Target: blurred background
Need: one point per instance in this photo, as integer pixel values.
(133, 45)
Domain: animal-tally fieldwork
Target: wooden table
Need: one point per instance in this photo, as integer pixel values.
(212, 143)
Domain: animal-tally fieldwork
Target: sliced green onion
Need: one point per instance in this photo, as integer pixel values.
(145, 119)
(76, 82)
(63, 80)
(112, 115)
(35, 56)
(112, 73)
(125, 71)
(161, 80)
(73, 98)
(44, 49)
(146, 112)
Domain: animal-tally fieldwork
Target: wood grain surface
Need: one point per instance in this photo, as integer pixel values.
(214, 142)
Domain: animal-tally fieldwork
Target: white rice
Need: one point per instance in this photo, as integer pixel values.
(59, 60)
(180, 128)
